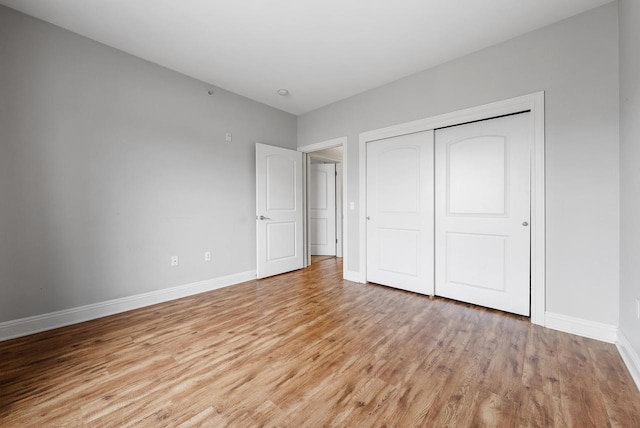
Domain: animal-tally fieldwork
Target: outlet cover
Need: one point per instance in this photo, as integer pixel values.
(207, 256)
(174, 261)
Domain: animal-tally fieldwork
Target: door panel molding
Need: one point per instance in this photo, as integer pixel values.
(534, 103)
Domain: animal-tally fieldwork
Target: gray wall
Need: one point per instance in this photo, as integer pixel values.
(630, 169)
(109, 165)
(576, 63)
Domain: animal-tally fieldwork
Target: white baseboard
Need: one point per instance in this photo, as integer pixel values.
(350, 275)
(591, 329)
(629, 356)
(38, 323)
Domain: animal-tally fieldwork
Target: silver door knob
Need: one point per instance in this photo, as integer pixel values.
(263, 218)
(524, 223)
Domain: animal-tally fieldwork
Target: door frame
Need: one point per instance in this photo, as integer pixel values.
(533, 103)
(329, 144)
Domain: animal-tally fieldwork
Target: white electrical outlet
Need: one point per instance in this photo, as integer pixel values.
(638, 308)
(174, 260)
(228, 137)
(207, 256)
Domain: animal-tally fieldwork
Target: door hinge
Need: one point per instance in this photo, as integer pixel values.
(336, 240)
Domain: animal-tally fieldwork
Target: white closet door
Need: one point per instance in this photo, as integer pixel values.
(322, 203)
(400, 212)
(483, 214)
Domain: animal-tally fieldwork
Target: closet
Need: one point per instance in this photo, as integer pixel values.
(448, 212)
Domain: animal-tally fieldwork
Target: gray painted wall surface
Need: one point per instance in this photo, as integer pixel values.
(630, 169)
(576, 63)
(109, 165)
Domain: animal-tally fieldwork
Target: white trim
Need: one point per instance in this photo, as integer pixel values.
(329, 144)
(581, 327)
(340, 210)
(629, 356)
(351, 276)
(38, 323)
(538, 210)
(306, 212)
(533, 103)
(336, 142)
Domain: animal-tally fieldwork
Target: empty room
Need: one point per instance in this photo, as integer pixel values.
(320, 213)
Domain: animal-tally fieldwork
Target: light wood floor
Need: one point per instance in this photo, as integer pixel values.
(315, 259)
(307, 349)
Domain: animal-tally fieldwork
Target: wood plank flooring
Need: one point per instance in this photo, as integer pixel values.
(307, 349)
(315, 259)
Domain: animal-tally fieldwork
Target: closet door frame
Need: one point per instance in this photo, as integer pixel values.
(533, 103)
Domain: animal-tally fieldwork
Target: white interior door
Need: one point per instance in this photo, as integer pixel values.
(322, 203)
(400, 212)
(279, 210)
(482, 213)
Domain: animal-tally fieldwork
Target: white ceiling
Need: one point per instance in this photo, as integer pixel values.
(320, 50)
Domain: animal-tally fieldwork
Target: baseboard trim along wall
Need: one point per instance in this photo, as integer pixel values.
(604, 332)
(38, 323)
(629, 356)
(592, 330)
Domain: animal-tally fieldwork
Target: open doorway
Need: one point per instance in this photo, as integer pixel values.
(324, 229)
(325, 204)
